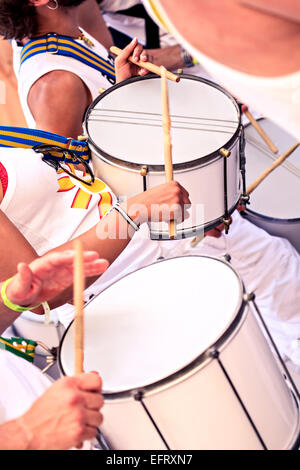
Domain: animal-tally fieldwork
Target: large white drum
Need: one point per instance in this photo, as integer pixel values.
(184, 362)
(275, 203)
(125, 135)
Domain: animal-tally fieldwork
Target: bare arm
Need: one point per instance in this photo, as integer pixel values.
(58, 101)
(44, 279)
(91, 20)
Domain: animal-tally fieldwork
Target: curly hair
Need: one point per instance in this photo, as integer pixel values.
(18, 18)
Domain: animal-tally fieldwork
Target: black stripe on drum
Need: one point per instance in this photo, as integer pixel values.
(242, 404)
(139, 397)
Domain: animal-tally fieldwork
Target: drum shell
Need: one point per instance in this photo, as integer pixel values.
(274, 203)
(200, 410)
(289, 229)
(204, 183)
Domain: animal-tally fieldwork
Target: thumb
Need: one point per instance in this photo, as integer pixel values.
(21, 283)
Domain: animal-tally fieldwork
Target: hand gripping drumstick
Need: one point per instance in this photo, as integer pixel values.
(166, 125)
(272, 167)
(147, 65)
(259, 129)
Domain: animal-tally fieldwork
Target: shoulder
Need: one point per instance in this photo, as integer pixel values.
(58, 101)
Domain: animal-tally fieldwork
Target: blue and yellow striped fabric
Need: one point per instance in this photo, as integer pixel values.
(67, 47)
(19, 137)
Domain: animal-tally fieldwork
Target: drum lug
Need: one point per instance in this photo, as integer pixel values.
(227, 223)
(144, 170)
(245, 198)
(226, 257)
(249, 297)
(214, 353)
(224, 152)
(143, 173)
(138, 396)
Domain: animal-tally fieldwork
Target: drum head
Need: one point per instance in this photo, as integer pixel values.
(125, 122)
(278, 195)
(155, 321)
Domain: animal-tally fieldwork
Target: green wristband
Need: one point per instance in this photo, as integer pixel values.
(9, 304)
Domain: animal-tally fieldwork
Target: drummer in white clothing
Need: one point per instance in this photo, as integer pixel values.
(34, 413)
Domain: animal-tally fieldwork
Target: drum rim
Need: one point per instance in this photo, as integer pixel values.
(201, 361)
(159, 168)
(267, 218)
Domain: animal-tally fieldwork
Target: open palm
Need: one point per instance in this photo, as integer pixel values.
(48, 276)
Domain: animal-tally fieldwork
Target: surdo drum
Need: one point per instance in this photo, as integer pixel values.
(187, 365)
(274, 204)
(125, 136)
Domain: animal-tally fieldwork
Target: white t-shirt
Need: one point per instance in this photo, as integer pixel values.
(21, 384)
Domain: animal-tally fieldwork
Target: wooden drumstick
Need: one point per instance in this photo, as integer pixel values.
(272, 167)
(166, 125)
(259, 129)
(147, 65)
(78, 304)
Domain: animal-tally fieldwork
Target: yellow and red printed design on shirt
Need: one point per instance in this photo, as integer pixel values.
(83, 193)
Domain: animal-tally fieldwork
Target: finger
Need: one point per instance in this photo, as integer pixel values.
(183, 190)
(24, 276)
(90, 431)
(20, 285)
(143, 72)
(89, 382)
(144, 56)
(128, 50)
(67, 257)
(137, 52)
(93, 418)
(93, 400)
(97, 267)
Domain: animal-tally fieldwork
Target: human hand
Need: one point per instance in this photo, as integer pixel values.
(67, 414)
(48, 276)
(124, 68)
(165, 202)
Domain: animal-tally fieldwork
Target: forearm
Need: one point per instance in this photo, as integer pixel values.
(7, 316)
(12, 436)
(91, 20)
(14, 248)
(109, 238)
(170, 57)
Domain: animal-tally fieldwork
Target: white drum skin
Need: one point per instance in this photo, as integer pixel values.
(197, 163)
(232, 396)
(274, 204)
